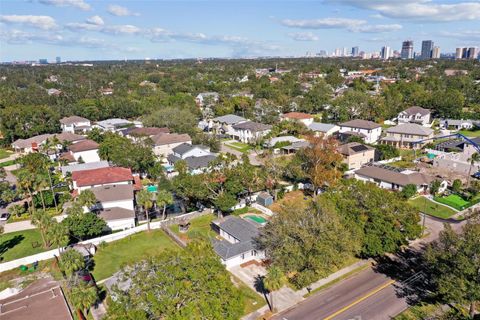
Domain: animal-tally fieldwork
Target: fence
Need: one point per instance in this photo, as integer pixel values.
(9, 265)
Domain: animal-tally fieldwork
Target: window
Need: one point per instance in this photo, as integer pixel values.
(254, 253)
(243, 256)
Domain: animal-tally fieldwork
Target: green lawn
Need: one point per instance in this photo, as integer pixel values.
(454, 201)
(239, 146)
(253, 300)
(7, 163)
(110, 258)
(431, 208)
(468, 133)
(17, 245)
(5, 153)
(200, 228)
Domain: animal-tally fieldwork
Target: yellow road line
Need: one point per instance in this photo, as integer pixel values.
(371, 293)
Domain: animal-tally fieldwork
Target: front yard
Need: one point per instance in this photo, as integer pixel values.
(431, 208)
(5, 153)
(20, 244)
(239, 146)
(112, 256)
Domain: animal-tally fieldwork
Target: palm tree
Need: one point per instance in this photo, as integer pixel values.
(87, 198)
(82, 297)
(273, 281)
(43, 222)
(71, 261)
(144, 199)
(58, 235)
(164, 198)
(26, 182)
(473, 159)
(16, 210)
(40, 185)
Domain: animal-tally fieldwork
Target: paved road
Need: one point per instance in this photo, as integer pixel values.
(367, 295)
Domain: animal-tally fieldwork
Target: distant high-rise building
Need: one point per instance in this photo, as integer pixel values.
(58, 59)
(459, 53)
(354, 51)
(345, 52)
(472, 53)
(322, 53)
(436, 53)
(427, 48)
(385, 53)
(338, 52)
(407, 50)
(43, 61)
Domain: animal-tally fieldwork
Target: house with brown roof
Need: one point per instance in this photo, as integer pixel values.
(368, 131)
(300, 117)
(355, 154)
(75, 124)
(85, 151)
(34, 144)
(415, 115)
(164, 143)
(115, 204)
(87, 179)
(118, 218)
(250, 131)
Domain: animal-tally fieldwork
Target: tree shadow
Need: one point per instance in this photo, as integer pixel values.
(9, 244)
(260, 288)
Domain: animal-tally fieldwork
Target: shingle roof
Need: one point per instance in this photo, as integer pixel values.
(114, 192)
(353, 148)
(102, 176)
(73, 120)
(169, 138)
(146, 131)
(194, 162)
(116, 213)
(64, 136)
(390, 176)
(84, 145)
(411, 128)
(239, 228)
(322, 127)
(414, 110)
(68, 136)
(185, 147)
(227, 250)
(229, 119)
(359, 123)
(252, 126)
(297, 115)
(84, 166)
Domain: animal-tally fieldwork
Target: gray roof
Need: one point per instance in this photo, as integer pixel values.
(64, 136)
(411, 128)
(252, 126)
(322, 127)
(272, 142)
(353, 148)
(391, 176)
(116, 213)
(229, 119)
(455, 122)
(362, 124)
(297, 145)
(194, 162)
(114, 192)
(414, 110)
(227, 250)
(185, 147)
(84, 166)
(73, 120)
(239, 228)
(169, 138)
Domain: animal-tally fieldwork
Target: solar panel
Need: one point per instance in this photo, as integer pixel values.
(359, 148)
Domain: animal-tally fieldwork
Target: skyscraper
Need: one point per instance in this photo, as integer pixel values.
(385, 53)
(436, 53)
(427, 48)
(407, 50)
(58, 60)
(472, 53)
(459, 53)
(354, 51)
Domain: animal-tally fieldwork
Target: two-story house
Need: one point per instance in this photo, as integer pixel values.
(415, 115)
(369, 131)
(87, 179)
(116, 124)
(197, 157)
(224, 124)
(84, 151)
(300, 117)
(407, 136)
(250, 132)
(355, 154)
(75, 124)
(115, 205)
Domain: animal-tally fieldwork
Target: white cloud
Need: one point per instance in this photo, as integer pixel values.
(303, 36)
(80, 26)
(465, 35)
(120, 11)
(96, 20)
(42, 22)
(121, 29)
(421, 10)
(353, 25)
(80, 4)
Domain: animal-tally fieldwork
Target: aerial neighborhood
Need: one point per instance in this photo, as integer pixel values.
(262, 180)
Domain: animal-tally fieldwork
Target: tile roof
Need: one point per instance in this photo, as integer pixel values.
(297, 115)
(169, 138)
(73, 120)
(84, 145)
(229, 119)
(414, 110)
(102, 176)
(114, 192)
(359, 123)
(116, 213)
(252, 126)
(411, 128)
(351, 148)
(400, 178)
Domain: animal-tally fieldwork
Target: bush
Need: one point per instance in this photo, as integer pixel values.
(408, 191)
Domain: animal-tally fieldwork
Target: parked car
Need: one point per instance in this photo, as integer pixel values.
(476, 175)
(4, 216)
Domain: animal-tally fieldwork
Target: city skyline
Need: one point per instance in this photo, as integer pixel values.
(93, 30)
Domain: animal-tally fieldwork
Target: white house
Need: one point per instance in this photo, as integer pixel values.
(223, 124)
(118, 218)
(238, 241)
(34, 144)
(85, 151)
(164, 143)
(415, 115)
(369, 131)
(325, 129)
(197, 157)
(457, 124)
(116, 195)
(116, 124)
(250, 132)
(83, 166)
(299, 117)
(75, 124)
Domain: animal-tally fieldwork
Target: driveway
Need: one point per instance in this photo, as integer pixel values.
(252, 155)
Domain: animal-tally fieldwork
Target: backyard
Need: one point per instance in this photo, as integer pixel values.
(20, 244)
(111, 257)
(470, 133)
(431, 208)
(295, 197)
(239, 146)
(200, 229)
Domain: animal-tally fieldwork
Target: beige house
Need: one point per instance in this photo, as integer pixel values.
(407, 136)
(164, 143)
(355, 154)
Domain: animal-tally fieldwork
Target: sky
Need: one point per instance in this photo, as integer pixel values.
(136, 29)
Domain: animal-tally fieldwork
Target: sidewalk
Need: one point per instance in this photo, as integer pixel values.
(25, 225)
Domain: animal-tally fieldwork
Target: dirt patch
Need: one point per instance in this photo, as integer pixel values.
(297, 198)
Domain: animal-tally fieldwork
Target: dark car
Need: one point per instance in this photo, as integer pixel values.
(4, 216)
(476, 175)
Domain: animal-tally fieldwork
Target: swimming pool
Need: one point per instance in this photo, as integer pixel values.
(152, 188)
(257, 219)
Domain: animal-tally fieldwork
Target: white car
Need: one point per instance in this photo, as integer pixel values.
(4, 216)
